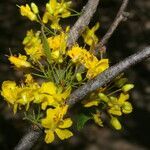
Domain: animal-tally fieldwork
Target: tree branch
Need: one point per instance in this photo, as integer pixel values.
(108, 75)
(121, 15)
(29, 139)
(83, 21)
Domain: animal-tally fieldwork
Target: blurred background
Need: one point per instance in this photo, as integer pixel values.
(130, 36)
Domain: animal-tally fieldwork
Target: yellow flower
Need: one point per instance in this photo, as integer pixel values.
(29, 79)
(89, 35)
(55, 8)
(91, 102)
(50, 95)
(55, 11)
(25, 97)
(26, 11)
(119, 106)
(54, 123)
(20, 61)
(127, 108)
(33, 45)
(9, 91)
(94, 66)
(58, 46)
(81, 55)
(19, 96)
(58, 42)
(97, 118)
(101, 66)
(45, 95)
(54, 20)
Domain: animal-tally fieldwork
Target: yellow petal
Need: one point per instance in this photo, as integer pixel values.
(19, 62)
(91, 103)
(48, 121)
(48, 87)
(115, 123)
(123, 97)
(49, 138)
(66, 123)
(97, 68)
(116, 110)
(63, 134)
(127, 108)
(97, 119)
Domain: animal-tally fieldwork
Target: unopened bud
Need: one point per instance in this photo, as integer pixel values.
(103, 97)
(119, 83)
(79, 77)
(127, 108)
(115, 123)
(34, 8)
(112, 98)
(127, 87)
(60, 60)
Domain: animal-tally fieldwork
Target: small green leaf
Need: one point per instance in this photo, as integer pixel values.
(45, 44)
(81, 119)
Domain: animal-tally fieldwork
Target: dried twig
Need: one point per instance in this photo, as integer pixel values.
(121, 15)
(83, 21)
(108, 75)
(29, 139)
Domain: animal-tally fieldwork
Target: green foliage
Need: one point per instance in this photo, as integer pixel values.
(81, 120)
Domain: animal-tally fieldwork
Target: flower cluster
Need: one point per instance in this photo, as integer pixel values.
(46, 94)
(89, 61)
(52, 71)
(54, 123)
(114, 101)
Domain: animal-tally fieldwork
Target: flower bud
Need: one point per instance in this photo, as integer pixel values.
(79, 77)
(34, 8)
(103, 97)
(115, 123)
(112, 98)
(119, 83)
(127, 87)
(127, 108)
(60, 60)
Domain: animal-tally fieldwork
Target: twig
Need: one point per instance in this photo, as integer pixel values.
(29, 139)
(83, 21)
(108, 75)
(121, 15)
